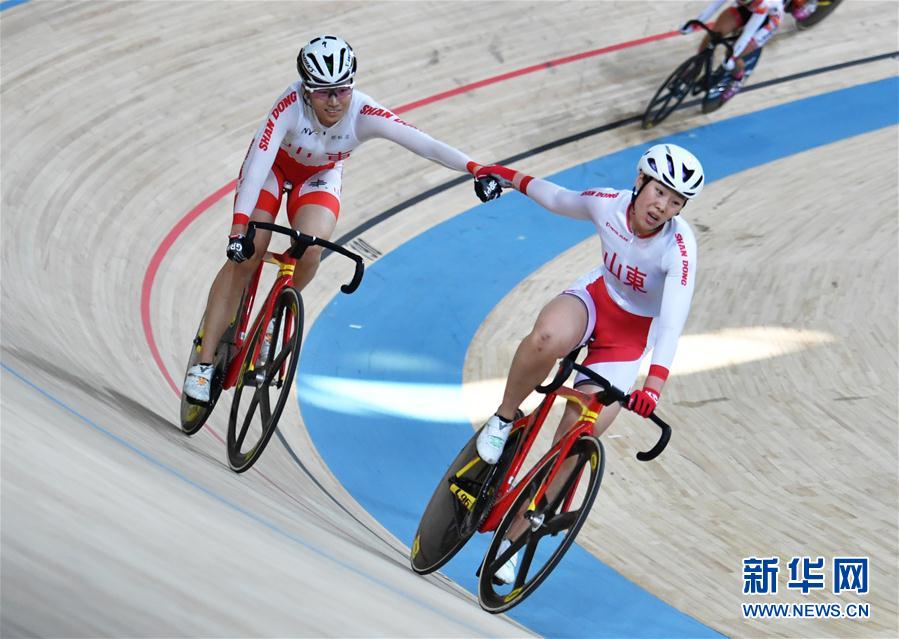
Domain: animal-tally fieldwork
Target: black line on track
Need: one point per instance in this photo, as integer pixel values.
(330, 496)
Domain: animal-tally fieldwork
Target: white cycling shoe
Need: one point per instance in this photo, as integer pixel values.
(506, 574)
(492, 439)
(198, 382)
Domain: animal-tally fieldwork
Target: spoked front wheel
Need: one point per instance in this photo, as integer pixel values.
(541, 533)
(673, 91)
(264, 382)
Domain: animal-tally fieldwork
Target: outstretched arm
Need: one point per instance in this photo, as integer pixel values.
(550, 196)
(382, 123)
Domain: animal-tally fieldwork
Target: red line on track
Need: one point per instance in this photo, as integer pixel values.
(531, 69)
(199, 209)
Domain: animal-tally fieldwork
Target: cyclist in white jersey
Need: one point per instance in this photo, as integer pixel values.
(759, 20)
(636, 301)
(313, 127)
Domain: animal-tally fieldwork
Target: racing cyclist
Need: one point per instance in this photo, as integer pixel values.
(759, 20)
(313, 127)
(635, 302)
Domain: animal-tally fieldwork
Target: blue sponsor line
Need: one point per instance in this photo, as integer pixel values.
(236, 507)
(419, 308)
(9, 4)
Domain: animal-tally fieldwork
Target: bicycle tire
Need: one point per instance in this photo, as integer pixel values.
(676, 87)
(278, 370)
(460, 503)
(824, 9)
(491, 596)
(195, 414)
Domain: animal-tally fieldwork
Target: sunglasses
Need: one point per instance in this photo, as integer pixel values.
(325, 94)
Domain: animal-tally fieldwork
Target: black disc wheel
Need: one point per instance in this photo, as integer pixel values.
(195, 414)
(673, 91)
(459, 505)
(540, 533)
(264, 382)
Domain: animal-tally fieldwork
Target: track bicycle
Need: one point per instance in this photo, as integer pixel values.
(264, 362)
(541, 512)
(697, 75)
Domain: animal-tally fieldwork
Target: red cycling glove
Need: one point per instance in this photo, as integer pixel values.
(490, 180)
(643, 402)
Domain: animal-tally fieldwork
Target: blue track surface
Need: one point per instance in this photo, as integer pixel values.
(9, 4)
(420, 306)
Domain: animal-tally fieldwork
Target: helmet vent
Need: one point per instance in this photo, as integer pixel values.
(313, 62)
(326, 61)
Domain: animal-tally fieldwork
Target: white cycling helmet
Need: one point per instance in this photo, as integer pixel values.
(327, 61)
(675, 167)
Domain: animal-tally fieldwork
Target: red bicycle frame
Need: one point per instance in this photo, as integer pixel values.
(286, 266)
(590, 406)
(286, 263)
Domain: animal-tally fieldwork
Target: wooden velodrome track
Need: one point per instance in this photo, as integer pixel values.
(119, 118)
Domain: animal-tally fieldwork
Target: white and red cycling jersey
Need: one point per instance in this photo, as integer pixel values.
(640, 296)
(292, 145)
(759, 19)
